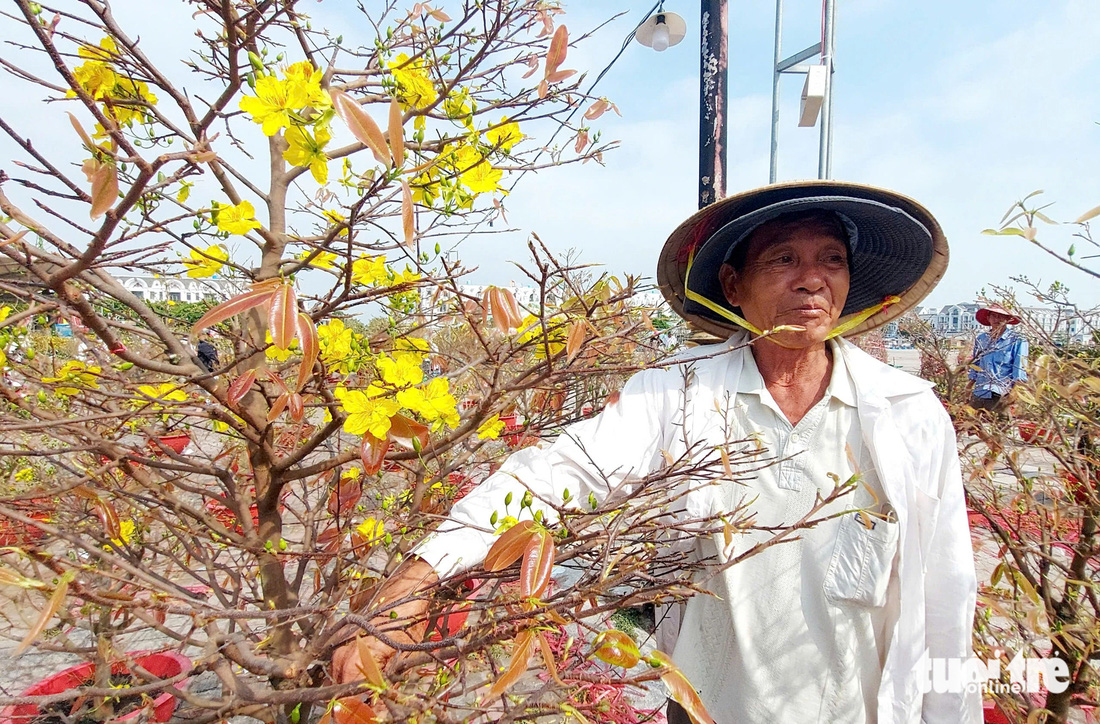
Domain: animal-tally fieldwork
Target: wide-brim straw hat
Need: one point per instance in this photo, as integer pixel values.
(982, 315)
(898, 251)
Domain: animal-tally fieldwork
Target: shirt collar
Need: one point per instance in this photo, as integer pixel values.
(840, 383)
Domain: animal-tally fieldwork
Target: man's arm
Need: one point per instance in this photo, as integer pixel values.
(588, 461)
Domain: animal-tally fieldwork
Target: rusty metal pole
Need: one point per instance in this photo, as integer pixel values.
(713, 22)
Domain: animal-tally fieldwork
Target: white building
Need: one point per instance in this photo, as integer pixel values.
(160, 288)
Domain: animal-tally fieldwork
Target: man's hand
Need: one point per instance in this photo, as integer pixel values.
(414, 575)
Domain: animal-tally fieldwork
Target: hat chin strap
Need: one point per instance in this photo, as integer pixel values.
(856, 320)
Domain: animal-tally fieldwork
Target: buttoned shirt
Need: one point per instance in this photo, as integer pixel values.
(998, 363)
(919, 570)
(788, 637)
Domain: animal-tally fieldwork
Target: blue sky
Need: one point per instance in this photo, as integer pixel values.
(964, 106)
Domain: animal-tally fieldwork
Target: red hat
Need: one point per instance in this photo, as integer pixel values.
(982, 315)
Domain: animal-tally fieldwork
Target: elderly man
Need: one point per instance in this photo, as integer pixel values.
(835, 626)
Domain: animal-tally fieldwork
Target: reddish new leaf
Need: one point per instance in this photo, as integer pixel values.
(501, 303)
(559, 45)
(349, 710)
(521, 654)
(239, 387)
(373, 453)
(368, 665)
(597, 109)
(533, 64)
(112, 527)
(260, 294)
(408, 433)
(508, 548)
(582, 141)
(283, 316)
(536, 565)
(574, 339)
(278, 406)
(361, 125)
(616, 648)
(408, 219)
(311, 347)
(104, 188)
(548, 658)
(47, 613)
(88, 143)
(397, 134)
(680, 689)
(344, 496)
(560, 75)
(544, 88)
(297, 407)
(329, 539)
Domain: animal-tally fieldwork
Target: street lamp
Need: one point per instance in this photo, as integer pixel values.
(661, 31)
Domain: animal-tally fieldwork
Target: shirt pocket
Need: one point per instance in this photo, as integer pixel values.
(863, 557)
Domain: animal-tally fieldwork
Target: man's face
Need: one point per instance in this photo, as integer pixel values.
(798, 278)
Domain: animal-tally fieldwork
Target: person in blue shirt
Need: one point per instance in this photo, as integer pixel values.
(999, 360)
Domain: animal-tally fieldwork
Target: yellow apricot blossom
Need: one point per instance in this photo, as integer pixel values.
(239, 219)
(308, 150)
(307, 80)
(368, 411)
(273, 103)
(433, 402)
(505, 135)
(336, 218)
(323, 260)
(491, 428)
(206, 263)
(159, 394)
(475, 171)
(278, 354)
(371, 529)
(400, 370)
(414, 88)
(72, 376)
(370, 270)
(125, 532)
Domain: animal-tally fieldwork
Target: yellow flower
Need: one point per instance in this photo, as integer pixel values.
(475, 172)
(273, 102)
(457, 107)
(505, 135)
(206, 263)
(432, 402)
(371, 529)
(336, 218)
(415, 88)
(279, 354)
(505, 524)
(24, 475)
(368, 411)
(307, 150)
(533, 331)
(307, 82)
(4, 312)
(491, 428)
(166, 392)
(323, 260)
(412, 344)
(96, 78)
(125, 532)
(351, 474)
(239, 219)
(370, 270)
(401, 370)
(335, 340)
(73, 375)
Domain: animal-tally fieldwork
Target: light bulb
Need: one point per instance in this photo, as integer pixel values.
(660, 37)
